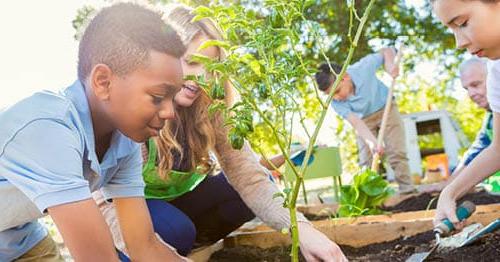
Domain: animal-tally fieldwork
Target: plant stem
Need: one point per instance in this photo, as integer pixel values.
(293, 197)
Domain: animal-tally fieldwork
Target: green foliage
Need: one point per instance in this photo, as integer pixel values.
(266, 69)
(83, 16)
(365, 195)
(266, 64)
(326, 27)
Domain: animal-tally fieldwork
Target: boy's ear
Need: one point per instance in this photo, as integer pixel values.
(100, 81)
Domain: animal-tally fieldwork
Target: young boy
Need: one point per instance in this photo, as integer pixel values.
(360, 99)
(55, 149)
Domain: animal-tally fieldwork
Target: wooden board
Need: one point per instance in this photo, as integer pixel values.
(362, 231)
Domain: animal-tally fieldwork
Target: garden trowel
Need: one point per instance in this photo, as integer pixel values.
(463, 211)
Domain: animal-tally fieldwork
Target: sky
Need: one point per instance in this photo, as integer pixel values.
(37, 48)
(38, 51)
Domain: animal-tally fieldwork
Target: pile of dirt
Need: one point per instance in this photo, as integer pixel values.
(421, 202)
(485, 249)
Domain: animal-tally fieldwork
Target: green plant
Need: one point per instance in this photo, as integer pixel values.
(265, 62)
(365, 195)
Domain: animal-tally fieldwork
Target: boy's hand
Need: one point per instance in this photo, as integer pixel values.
(137, 229)
(376, 149)
(390, 66)
(79, 230)
(393, 70)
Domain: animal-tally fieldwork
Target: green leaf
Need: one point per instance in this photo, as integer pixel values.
(215, 107)
(202, 12)
(279, 194)
(201, 58)
(213, 42)
(256, 67)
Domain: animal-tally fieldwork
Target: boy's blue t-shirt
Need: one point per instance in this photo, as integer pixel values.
(370, 94)
(47, 151)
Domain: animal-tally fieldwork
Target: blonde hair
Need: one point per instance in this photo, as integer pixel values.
(192, 134)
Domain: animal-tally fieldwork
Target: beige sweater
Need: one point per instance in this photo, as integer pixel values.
(252, 182)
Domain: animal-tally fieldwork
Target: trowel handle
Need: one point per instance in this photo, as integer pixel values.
(463, 211)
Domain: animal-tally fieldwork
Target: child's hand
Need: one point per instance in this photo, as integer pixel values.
(376, 149)
(379, 150)
(446, 208)
(390, 64)
(393, 70)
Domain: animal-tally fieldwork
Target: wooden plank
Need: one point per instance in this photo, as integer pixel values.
(318, 209)
(203, 254)
(362, 231)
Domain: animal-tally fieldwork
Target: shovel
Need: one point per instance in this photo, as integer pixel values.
(463, 211)
(487, 229)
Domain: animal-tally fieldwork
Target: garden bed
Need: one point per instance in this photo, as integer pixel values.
(360, 231)
(422, 201)
(399, 204)
(485, 249)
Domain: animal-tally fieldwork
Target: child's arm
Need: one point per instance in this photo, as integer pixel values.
(138, 234)
(485, 164)
(389, 55)
(84, 231)
(364, 132)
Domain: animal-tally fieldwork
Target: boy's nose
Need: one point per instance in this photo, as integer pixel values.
(167, 110)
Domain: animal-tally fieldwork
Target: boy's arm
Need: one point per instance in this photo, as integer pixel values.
(364, 132)
(138, 234)
(84, 231)
(389, 55)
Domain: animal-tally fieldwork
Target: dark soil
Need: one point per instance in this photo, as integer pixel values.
(422, 201)
(485, 249)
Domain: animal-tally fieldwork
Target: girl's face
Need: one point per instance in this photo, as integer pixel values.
(190, 90)
(475, 24)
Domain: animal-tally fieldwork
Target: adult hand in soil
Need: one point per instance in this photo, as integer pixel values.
(446, 209)
(315, 246)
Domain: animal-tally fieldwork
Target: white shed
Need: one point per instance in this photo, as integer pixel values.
(430, 122)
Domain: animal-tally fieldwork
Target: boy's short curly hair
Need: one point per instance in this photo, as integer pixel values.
(121, 36)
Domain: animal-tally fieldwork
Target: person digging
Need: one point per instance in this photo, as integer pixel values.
(360, 99)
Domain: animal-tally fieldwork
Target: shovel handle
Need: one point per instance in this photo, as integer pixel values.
(385, 116)
(375, 162)
(464, 211)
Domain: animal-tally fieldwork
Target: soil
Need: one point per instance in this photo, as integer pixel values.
(421, 202)
(485, 249)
